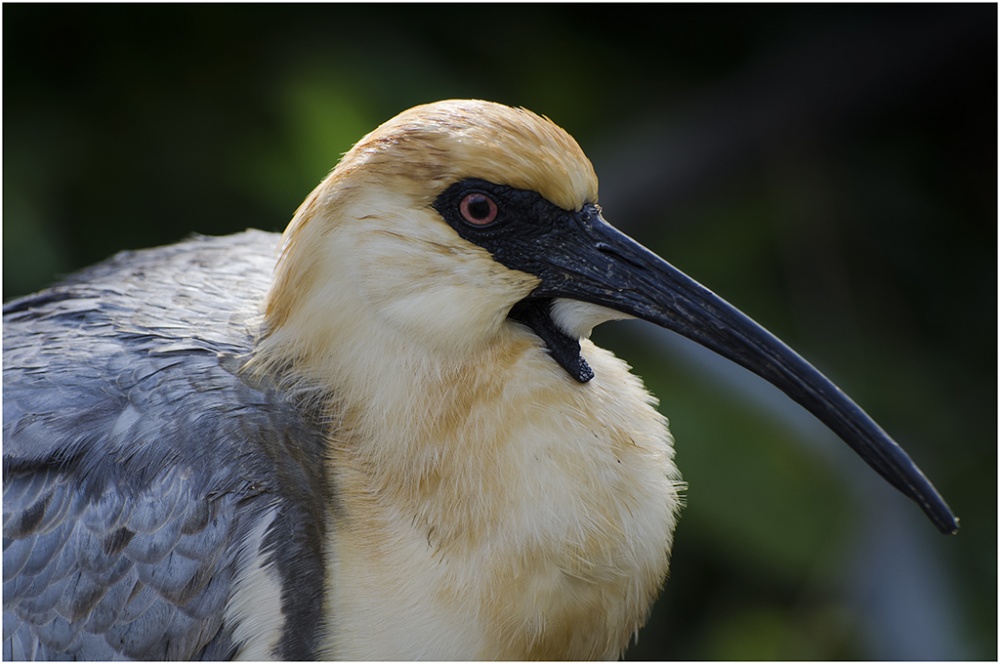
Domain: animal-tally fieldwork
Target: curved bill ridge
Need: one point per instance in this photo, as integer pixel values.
(594, 262)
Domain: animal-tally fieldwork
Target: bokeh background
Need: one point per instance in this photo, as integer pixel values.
(829, 169)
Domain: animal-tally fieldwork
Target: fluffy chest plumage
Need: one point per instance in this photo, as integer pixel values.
(528, 519)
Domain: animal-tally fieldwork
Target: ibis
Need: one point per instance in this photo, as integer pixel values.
(384, 434)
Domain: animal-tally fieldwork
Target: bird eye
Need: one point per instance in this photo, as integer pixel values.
(478, 209)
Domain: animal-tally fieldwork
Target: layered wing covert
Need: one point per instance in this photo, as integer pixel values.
(156, 505)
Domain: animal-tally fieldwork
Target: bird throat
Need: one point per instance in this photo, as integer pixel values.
(564, 349)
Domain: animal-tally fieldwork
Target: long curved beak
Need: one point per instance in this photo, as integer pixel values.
(594, 262)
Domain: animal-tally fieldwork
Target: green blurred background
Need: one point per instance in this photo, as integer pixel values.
(829, 169)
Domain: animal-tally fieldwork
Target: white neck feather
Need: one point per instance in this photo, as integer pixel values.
(488, 506)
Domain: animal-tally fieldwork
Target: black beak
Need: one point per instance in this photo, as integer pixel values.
(578, 255)
(597, 263)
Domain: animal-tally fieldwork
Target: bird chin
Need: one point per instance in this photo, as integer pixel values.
(578, 319)
(561, 323)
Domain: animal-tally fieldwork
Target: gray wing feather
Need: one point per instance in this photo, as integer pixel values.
(137, 461)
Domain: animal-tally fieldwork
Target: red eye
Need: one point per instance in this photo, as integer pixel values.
(478, 209)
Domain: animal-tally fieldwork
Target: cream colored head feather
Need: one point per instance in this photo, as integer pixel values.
(433, 145)
(369, 230)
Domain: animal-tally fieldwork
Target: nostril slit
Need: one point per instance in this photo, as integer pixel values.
(611, 250)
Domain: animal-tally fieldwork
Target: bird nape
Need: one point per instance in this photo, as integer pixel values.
(383, 435)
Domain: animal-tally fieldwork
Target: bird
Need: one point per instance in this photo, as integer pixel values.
(383, 434)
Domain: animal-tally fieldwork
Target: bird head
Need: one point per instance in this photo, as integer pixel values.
(404, 224)
(455, 222)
